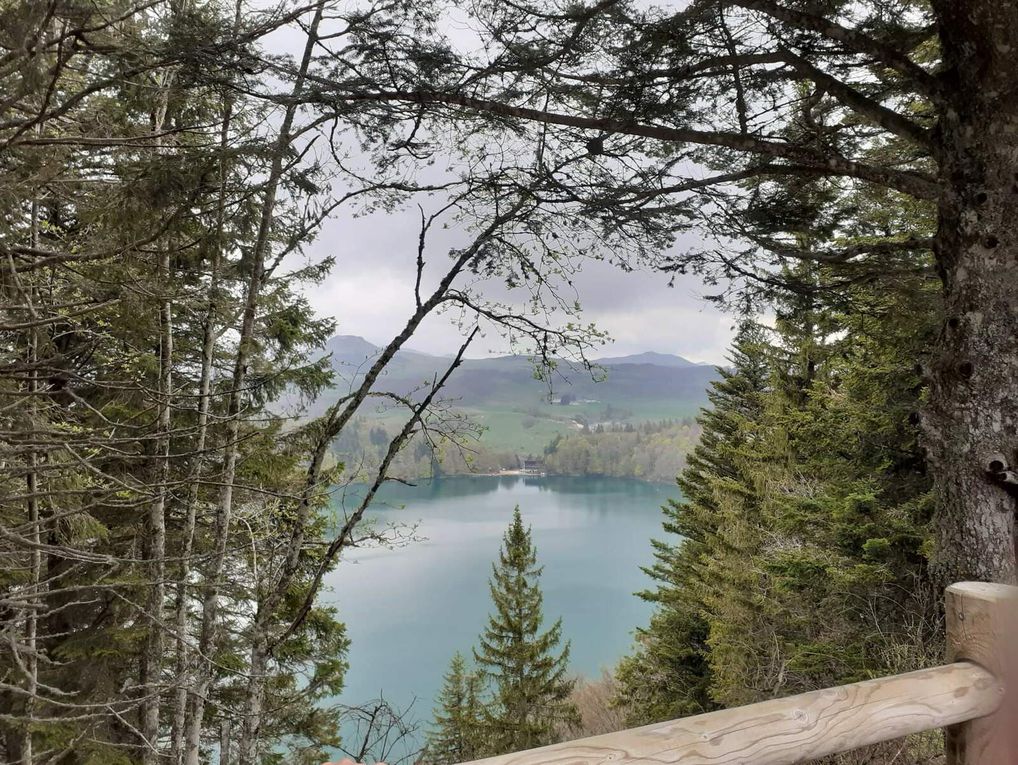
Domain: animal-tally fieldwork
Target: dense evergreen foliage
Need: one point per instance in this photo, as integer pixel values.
(797, 558)
(459, 733)
(147, 487)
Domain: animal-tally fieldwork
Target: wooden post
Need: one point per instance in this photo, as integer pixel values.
(981, 619)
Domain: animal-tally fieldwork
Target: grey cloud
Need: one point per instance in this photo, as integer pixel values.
(370, 293)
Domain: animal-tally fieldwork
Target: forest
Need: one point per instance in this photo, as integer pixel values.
(648, 451)
(838, 175)
(651, 451)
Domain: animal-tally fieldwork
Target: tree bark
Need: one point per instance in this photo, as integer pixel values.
(254, 698)
(155, 533)
(32, 617)
(181, 620)
(971, 421)
(225, 741)
(32, 486)
(152, 658)
(179, 729)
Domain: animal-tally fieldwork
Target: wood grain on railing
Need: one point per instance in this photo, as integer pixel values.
(793, 729)
(982, 627)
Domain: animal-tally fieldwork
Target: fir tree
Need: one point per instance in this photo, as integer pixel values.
(458, 730)
(531, 691)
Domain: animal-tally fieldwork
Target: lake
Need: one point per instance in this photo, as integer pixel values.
(408, 609)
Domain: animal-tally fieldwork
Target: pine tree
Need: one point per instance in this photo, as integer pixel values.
(531, 691)
(457, 735)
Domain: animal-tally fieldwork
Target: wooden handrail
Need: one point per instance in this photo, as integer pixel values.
(962, 697)
(792, 729)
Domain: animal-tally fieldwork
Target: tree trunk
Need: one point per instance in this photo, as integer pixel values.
(34, 519)
(203, 676)
(152, 658)
(971, 422)
(35, 535)
(183, 655)
(209, 337)
(181, 621)
(254, 700)
(225, 741)
(155, 533)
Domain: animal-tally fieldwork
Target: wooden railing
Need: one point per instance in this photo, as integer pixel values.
(965, 697)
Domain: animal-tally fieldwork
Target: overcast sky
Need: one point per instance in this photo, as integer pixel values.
(370, 293)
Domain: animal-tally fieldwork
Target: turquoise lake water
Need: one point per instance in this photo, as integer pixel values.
(408, 609)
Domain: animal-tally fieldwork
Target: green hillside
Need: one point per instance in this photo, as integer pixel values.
(521, 414)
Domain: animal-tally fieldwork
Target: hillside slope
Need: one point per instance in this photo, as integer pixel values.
(521, 413)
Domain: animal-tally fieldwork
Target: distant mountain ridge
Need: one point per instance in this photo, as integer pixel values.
(518, 413)
(509, 381)
(355, 349)
(649, 357)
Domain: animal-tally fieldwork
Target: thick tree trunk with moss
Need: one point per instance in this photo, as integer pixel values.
(972, 419)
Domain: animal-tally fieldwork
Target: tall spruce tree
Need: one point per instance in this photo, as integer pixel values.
(807, 496)
(458, 734)
(669, 673)
(525, 664)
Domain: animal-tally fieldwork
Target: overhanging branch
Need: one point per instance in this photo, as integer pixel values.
(909, 182)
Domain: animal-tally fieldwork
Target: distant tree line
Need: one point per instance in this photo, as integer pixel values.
(364, 445)
(649, 451)
(652, 451)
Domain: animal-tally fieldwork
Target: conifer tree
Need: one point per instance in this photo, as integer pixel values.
(668, 675)
(457, 735)
(847, 507)
(806, 497)
(526, 665)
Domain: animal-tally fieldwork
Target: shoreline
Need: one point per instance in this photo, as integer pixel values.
(517, 473)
